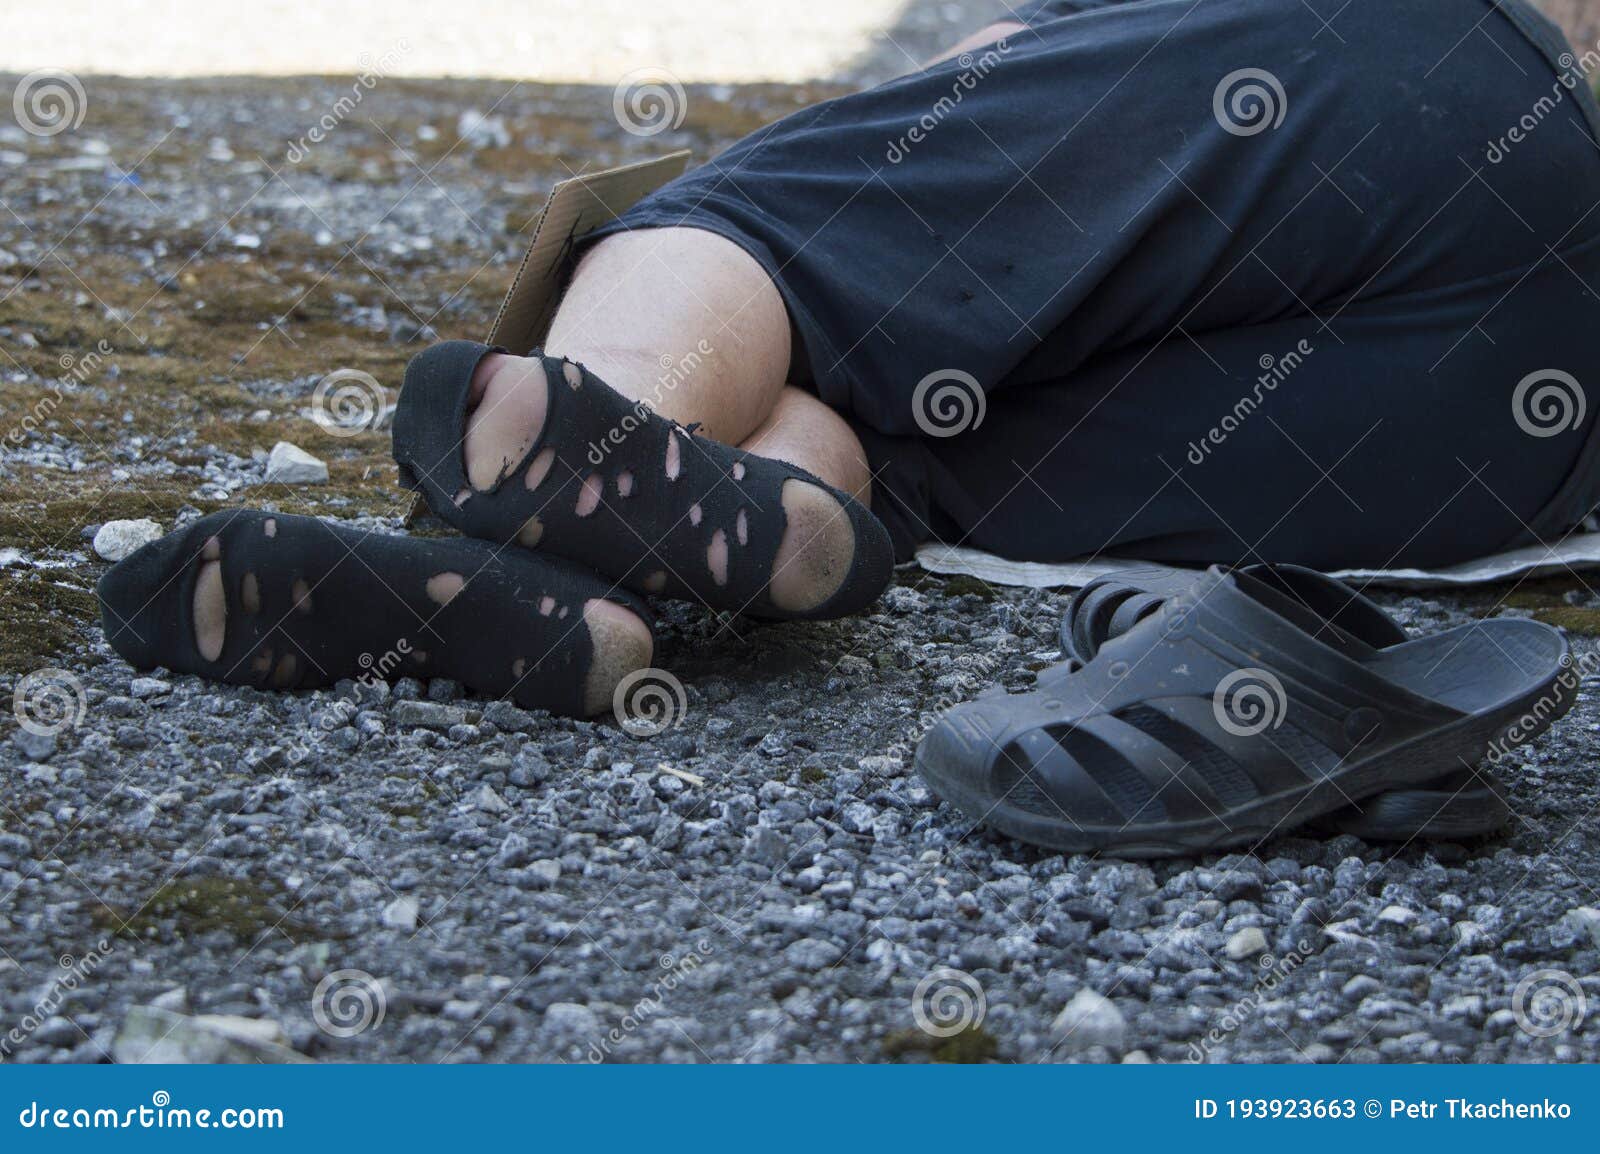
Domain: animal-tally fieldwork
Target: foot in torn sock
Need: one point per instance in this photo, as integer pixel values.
(284, 602)
(540, 451)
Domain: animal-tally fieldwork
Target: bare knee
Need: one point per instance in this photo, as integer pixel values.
(804, 431)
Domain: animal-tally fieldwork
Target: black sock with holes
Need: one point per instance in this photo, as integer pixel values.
(650, 531)
(310, 602)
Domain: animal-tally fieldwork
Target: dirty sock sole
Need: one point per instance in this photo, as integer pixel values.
(309, 602)
(612, 485)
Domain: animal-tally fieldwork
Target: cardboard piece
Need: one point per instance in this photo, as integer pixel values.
(576, 206)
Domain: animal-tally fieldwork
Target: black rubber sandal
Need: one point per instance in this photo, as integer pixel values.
(309, 602)
(1223, 720)
(666, 496)
(1463, 804)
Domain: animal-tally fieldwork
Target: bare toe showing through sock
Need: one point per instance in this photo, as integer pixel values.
(285, 602)
(607, 482)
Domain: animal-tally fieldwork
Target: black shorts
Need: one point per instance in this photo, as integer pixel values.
(1200, 280)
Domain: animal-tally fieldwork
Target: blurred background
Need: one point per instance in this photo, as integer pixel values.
(593, 41)
(588, 41)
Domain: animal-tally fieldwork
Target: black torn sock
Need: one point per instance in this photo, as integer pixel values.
(667, 498)
(309, 602)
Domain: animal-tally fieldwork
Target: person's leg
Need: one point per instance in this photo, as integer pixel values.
(257, 598)
(687, 322)
(681, 318)
(1392, 440)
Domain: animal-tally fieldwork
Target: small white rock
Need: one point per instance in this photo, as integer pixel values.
(147, 687)
(175, 1000)
(1396, 916)
(1584, 920)
(545, 872)
(291, 465)
(488, 801)
(1247, 943)
(1090, 1020)
(116, 539)
(401, 914)
(482, 131)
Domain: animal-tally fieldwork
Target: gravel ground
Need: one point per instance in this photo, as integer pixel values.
(401, 874)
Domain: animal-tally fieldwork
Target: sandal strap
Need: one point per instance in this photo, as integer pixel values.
(1225, 696)
(1112, 605)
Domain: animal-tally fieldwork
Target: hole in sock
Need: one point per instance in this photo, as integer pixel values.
(504, 424)
(261, 662)
(519, 667)
(302, 595)
(624, 483)
(443, 587)
(547, 606)
(621, 644)
(539, 468)
(270, 526)
(528, 536)
(741, 528)
(717, 557)
(210, 608)
(694, 514)
(816, 551)
(461, 497)
(250, 594)
(674, 463)
(573, 374)
(738, 470)
(656, 582)
(211, 550)
(563, 612)
(589, 495)
(283, 676)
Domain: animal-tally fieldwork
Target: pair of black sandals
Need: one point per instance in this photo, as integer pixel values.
(1201, 712)
(308, 601)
